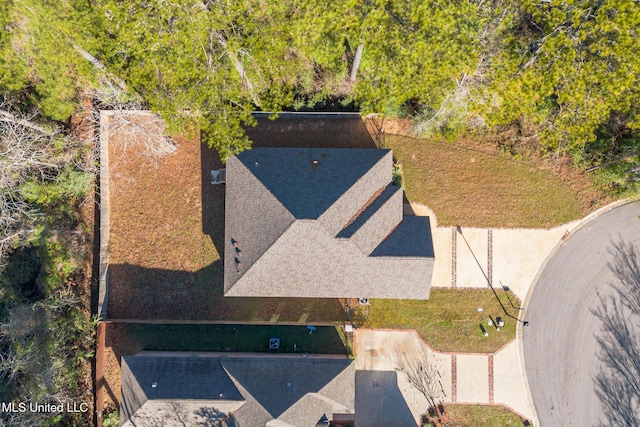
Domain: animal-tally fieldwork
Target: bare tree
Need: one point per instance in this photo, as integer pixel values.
(132, 129)
(425, 377)
(28, 150)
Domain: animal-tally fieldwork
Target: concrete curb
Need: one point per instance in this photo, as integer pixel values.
(525, 304)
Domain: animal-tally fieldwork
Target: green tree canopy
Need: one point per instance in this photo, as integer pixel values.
(413, 51)
(39, 61)
(204, 63)
(568, 67)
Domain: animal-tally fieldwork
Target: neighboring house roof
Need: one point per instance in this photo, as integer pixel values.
(321, 223)
(274, 391)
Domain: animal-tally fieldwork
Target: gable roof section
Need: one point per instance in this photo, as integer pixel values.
(372, 225)
(306, 260)
(149, 383)
(291, 387)
(411, 238)
(259, 390)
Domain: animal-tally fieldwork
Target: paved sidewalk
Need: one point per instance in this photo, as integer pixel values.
(463, 378)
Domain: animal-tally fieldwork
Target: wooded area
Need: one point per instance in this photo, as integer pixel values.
(553, 78)
(562, 72)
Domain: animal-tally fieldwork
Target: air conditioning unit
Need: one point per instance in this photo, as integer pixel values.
(218, 176)
(274, 343)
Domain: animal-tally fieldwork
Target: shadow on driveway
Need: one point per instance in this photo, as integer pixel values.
(379, 401)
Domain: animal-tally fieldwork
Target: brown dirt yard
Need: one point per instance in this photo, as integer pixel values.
(167, 226)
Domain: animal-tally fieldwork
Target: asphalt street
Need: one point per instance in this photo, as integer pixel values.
(560, 346)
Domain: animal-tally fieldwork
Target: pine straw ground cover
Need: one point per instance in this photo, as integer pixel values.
(166, 236)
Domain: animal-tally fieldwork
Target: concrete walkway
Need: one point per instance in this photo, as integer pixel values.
(462, 378)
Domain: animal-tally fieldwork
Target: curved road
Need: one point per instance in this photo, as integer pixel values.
(560, 347)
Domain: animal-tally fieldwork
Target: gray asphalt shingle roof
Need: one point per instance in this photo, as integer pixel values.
(321, 223)
(251, 390)
(411, 228)
(306, 189)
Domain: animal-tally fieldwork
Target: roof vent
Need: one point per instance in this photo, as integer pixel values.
(314, 164)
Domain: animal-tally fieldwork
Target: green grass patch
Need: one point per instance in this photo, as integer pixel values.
(472, 188)
(619, 177)
(481, 416)
(230, 338)
(449, 320)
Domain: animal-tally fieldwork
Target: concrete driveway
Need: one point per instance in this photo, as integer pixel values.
(560, 345)
(468, 257)
(385, 397)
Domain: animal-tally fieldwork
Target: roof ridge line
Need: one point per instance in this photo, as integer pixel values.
(376, 195)
(388, 191)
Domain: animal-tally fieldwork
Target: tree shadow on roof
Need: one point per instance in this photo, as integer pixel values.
(380, 401)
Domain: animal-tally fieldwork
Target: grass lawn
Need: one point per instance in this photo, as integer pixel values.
(449, 321)
(472, 188)
(229, 338)
(482, 416)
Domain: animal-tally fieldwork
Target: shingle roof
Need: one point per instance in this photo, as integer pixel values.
(306, 222)
(412, 228)
(307, 189)
(253, 390)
